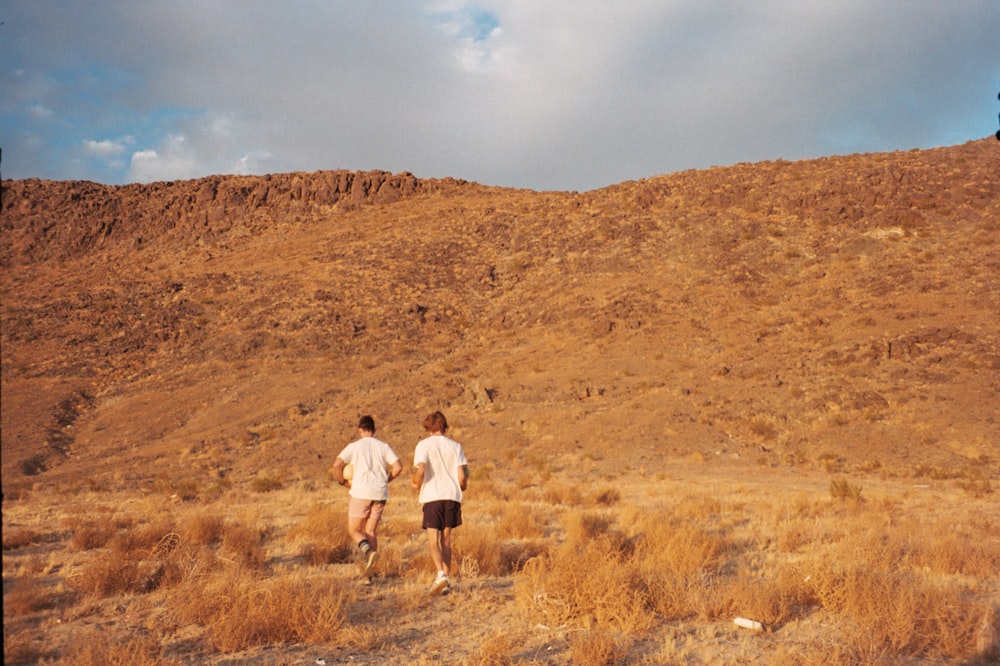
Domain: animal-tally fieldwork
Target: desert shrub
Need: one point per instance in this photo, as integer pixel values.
(26, 596)
(682, 567)
(583, 526)
(608, 496)
(19, 537)
(91, 535)
(104, 576)
(844, 490)
(950, 549)
(141, 559)
(203, 527)
(94, 648)
(562, 494)
(763, 428)
(688, 550)
(519, 520)
(324, 537)
(496, 650)
(242, 611)
(598, 647)
(185, 563)
(265, 484)
(871, 581)
(479, 551)
(794, 535)
(590, 583)
(243, 545)
(22, 647)
(899, 612)
(770, 601)
(138, 540)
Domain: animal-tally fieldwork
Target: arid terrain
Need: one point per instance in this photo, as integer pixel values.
(767, 390)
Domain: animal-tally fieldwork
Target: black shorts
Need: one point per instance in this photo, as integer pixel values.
(441, 514)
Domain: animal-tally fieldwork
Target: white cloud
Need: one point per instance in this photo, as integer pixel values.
(105, 148)
(559, 94)
(255, 162)
(175, 160)
(40, 111)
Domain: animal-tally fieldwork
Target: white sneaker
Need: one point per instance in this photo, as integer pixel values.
(440, 584)
(370, 563)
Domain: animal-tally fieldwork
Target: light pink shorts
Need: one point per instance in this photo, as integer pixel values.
(362, 508)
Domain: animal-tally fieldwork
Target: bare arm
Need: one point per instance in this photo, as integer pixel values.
(395, 470)
(463, 476)
(417, 479)
(338, 471)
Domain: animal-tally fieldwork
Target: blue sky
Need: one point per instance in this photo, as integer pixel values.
(565, 94)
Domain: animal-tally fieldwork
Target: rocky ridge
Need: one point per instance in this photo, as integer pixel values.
(838, 312)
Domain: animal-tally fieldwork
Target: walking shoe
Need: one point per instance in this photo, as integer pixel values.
(370, 563)
(440, 584)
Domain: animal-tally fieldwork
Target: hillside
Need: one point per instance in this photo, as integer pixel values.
(766, 391)
(839, 309)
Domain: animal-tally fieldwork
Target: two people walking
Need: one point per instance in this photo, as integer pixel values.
(441, 474)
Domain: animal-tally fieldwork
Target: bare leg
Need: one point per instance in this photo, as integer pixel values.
(434, 544)
(371, 530)
(356, 528)
(439, 542)
(446, 550)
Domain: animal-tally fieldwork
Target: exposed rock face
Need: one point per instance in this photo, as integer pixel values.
(837, 311)
(59, 220)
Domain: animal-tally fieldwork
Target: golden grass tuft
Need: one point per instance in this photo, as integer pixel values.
(890, 579)
(496, 650)
(17, 538)
(203, 527)
(95, 648)
(243, 611)
(243, 545)
(323, 536)
(871, 581)
(598, 647)
(480, 553)
(588, 583)
(26, 596)
(844, 490)
(90, 535)
(23, 647)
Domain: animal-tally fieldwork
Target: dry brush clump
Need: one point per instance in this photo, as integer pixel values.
(599, 647)
(323, 536)
(98, 648)
(243, 610)
(141, 558)
(898, 592)
(592, 579)
(213, 571)
(882, 585)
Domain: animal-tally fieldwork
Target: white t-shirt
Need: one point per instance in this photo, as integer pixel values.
(441, 457)
(372, 459)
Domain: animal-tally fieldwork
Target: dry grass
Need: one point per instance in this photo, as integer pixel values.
(632, 576)
(19, 538)
(96, 648)
(323, 536)
(242, 610)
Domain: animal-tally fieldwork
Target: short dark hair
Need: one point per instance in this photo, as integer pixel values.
(366, 423)
(436, 422)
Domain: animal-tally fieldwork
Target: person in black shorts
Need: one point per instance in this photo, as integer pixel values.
(441, 475)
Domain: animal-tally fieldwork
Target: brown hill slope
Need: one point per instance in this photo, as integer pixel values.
(838, 313)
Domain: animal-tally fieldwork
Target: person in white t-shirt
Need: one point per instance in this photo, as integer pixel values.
(441, 475)
(375, 465)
